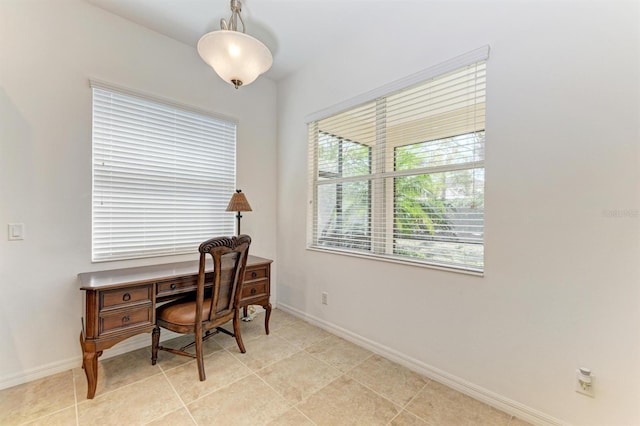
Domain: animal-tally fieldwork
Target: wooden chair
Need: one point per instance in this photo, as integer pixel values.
(213, 306)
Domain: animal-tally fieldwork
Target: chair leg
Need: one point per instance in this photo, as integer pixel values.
(155, 342)
(200, 355)
(236, 331)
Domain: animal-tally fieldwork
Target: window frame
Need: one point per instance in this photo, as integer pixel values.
(340, 189)
(453, 167)
(383, 248)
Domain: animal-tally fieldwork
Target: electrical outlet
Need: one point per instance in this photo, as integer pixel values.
(325, 298)
(584, 382)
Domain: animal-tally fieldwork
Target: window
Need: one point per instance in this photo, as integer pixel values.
(399, 174)
(162, 176)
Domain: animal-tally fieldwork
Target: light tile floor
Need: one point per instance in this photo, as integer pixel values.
(298, 375)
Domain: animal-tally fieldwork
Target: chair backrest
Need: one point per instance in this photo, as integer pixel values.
(229, 256)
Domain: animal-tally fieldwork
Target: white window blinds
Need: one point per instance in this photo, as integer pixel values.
(162, 176)
(401, 176)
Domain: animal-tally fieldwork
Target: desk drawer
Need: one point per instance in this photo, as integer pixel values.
(255, 289)
(255, 273)
(181, 285)
(178, 285)
(125, 319)
(124, 296)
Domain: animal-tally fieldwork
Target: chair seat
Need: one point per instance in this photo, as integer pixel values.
(183, 313)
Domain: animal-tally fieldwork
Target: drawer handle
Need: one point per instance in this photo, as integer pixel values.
(126, 297)
(173, 286)
(125, 319)
(254, 291)
(254, 274)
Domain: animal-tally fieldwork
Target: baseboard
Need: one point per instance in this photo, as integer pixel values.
(136, 342)
(39, 372)
(500, 402)
(131, 344)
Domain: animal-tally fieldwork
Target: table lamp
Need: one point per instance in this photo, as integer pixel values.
(238, 203)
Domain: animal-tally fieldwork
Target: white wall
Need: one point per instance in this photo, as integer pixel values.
(561, 287)
(48, 52)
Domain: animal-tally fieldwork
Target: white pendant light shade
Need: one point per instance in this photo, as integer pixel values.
(236, 57)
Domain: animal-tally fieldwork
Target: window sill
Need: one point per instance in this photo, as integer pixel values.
(399, 261)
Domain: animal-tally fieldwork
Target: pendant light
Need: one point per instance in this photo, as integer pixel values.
(235, 56)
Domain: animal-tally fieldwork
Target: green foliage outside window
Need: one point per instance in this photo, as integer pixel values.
(441, 209)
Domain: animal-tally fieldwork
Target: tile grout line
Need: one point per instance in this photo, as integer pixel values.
(295, 407)
(296, 348)
(274, 389)
(44, 416)
(239, 356)
(304, 348)
(346, 374)
(187, 361)
(102, 395)
(374, 391)
(31, 421)
(255, 373)
(178, 395)
(412, 399)
(402, 408)
(311, 355)
(291, 406)
(75, 379)
(321, 388)
(251, 372)
(417, 393)
(219, 387)
(75, 397)
(342, 374)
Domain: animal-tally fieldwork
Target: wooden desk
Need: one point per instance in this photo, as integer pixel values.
(121, 303)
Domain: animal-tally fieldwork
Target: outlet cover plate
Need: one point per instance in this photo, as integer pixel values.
(588, 391)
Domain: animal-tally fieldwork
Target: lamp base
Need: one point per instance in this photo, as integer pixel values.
(238, 216)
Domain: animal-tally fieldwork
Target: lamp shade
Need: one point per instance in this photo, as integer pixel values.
(236, 57)
(238, 203)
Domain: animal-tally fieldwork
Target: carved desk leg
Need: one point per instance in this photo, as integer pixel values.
(267, 315)
(90, 366)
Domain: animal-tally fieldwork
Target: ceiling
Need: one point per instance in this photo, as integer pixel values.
(296, 31)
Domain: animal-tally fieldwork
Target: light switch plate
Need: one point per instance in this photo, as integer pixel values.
(16, 231)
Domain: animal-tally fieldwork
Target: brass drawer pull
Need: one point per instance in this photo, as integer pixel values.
(254, 291)
(173, 286)
(126, 297)
(254, 274)
(125, 318)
